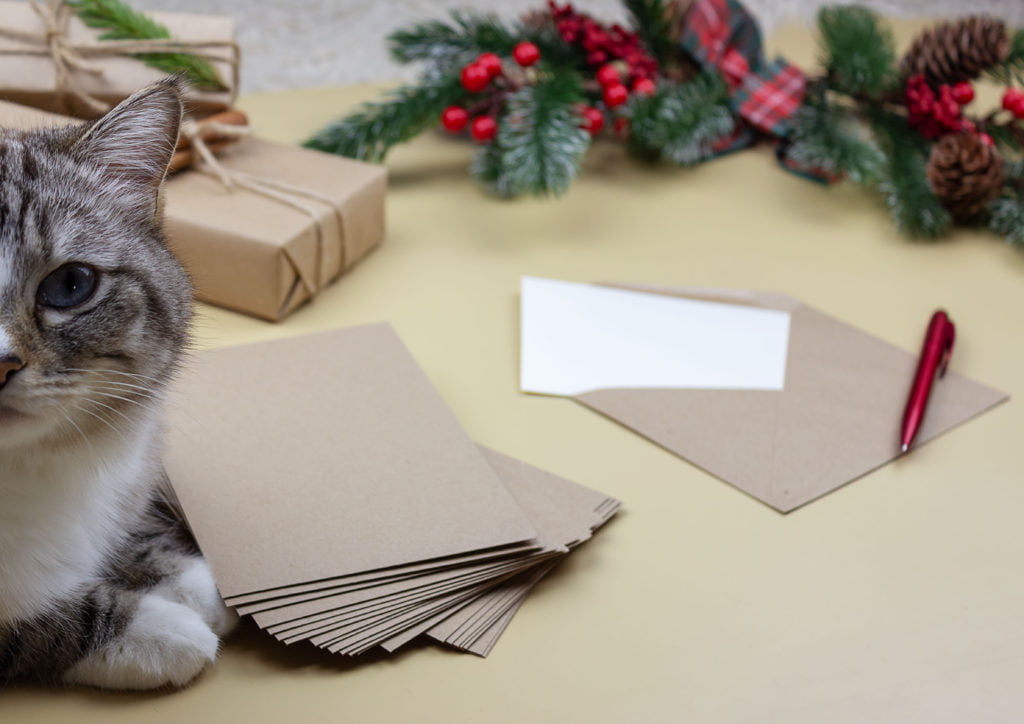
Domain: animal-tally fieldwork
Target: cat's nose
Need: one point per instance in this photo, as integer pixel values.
(9, 364)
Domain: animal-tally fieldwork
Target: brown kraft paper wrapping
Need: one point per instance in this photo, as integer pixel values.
(28, 74)
(266, 252)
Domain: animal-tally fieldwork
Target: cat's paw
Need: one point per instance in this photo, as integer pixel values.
(194, 587)
(166, 643)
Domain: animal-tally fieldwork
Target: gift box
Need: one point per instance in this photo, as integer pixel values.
(280, 226)
(51, 60)
(269, 226)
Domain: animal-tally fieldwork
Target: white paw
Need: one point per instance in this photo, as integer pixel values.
(194, 587)
(165, 643)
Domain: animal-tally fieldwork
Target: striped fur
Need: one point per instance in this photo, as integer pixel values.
(97, 584)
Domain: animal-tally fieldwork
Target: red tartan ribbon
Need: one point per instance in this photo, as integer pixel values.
(722, 36)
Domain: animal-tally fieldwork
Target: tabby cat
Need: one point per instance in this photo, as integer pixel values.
(98, 586)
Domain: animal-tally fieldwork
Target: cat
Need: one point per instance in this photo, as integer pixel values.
(98, 584)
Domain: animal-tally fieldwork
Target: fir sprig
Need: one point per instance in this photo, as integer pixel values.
(457, 42)
(858, 52)
(914, 207)
(539, 145)
(124, 23)
(651, 24)
(1006, 217)
(681, 122)
(827, 136)
(1012, 69)
(370, 132)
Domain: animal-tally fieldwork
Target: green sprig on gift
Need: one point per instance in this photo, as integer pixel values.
(122, 22)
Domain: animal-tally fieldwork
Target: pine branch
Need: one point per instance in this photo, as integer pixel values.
(913, 205)
(858, 51)
(1006, 217)
(827, 136)
(123, 23)
(649, 22)
(1011, 71)
(370, 132)
(681, 122)
(540, 145)
(457, 42)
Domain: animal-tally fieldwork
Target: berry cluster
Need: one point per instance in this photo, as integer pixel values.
(934, 115)
(602, 43)
(476, 77)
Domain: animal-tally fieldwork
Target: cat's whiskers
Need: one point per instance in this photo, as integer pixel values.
(66, 416)
(136, 375)
(127, 419)
(132, 392)
(102, 419)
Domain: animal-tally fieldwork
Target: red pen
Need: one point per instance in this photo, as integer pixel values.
(938, 345)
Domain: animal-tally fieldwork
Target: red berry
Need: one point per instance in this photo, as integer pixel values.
(454, 118)
(475, 78)
(526, 53)
(621, 126)
(491, 63)
(608, 75)
(986, 139)
(644, 86)
(615, 95)
(1011, 98)
(593, 120)
(968, 125)
(963, 93)
(483, 129)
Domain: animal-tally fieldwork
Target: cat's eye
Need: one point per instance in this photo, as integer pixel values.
(68, 286)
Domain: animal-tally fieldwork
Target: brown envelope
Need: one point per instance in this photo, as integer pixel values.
(837, 418)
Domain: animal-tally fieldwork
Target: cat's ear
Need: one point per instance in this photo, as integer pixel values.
(132, 145)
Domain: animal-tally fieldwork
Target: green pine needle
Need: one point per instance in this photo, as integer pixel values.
(1006, 217)
(681, 122)
(370, 132)
(123, 23)
(828, 137)
(1011, 71)
(446, 45)
(458, 41)
(649, 22)
(540, 145)
(913, 205)
(858, 51)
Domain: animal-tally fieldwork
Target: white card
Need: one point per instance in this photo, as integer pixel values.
(582, 337)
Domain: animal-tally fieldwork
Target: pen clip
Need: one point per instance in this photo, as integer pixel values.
(947, 348)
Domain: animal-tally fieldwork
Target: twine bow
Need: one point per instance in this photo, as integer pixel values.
(723, 37)
(69, 57)
(289, 195)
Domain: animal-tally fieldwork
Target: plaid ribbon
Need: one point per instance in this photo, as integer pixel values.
(722, 36)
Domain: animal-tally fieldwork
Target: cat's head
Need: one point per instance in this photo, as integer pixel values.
(94, 309)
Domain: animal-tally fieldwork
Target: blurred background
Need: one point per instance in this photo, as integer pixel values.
(308, 43)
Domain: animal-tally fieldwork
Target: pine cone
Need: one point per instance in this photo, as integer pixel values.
(958, 50)
(965, 173)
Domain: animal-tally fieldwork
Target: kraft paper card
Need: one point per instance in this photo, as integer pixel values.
(339, 502)
(836, 418)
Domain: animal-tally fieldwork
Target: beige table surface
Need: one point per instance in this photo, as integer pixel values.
(897, 598)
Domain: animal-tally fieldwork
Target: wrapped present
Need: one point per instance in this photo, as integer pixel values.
(51, 60)
(274, 224)
(266, 226)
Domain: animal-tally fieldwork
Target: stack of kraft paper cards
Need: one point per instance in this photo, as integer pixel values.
(340, 502)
